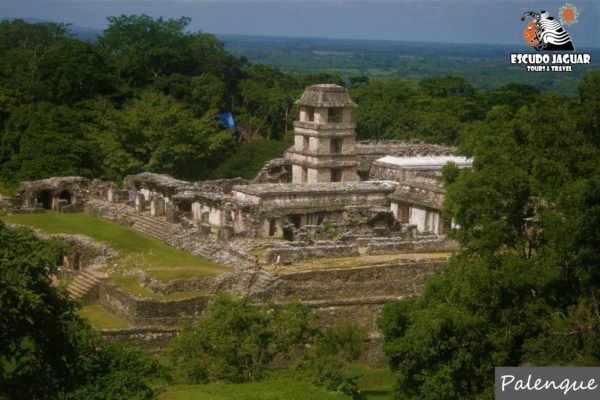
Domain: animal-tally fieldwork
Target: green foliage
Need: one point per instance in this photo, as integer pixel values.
(34, 329)
(46, 350)
(250, 157)
(43, 140)
(329, 229)
(236, 341)
(523, 289)
(154, 132)
(332, 352)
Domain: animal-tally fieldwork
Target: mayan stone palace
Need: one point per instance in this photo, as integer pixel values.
(339, 224)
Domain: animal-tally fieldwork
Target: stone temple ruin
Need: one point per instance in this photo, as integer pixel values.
(328, 196)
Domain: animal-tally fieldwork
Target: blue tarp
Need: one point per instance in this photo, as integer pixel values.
(226, 120)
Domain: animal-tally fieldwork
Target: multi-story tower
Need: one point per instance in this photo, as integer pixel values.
(324, 137)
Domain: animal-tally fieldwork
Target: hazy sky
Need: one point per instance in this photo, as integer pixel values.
(477, 21)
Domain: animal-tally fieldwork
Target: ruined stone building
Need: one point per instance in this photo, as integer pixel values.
(326, 176)
(329, 196)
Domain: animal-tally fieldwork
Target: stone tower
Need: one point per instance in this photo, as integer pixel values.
(324, 137)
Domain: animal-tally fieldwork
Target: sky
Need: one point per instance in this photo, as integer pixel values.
(459, 21)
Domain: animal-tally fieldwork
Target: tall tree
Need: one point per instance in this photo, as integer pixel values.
(523, 288)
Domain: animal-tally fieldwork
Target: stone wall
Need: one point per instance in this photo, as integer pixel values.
(377, 282)
(426, 245)
(296, 251)
(179, 285)
(150, 312)
(151, 339)
(354, 295)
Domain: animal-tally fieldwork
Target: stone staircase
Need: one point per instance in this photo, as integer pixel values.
(175, 235)
(84, 282)
(156, 227)
(188, 239)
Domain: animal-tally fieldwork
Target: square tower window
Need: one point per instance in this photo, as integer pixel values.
(336, 175)
(310, 114)
(336, 145)
(305, 143)
(334, 115)
(304, 174)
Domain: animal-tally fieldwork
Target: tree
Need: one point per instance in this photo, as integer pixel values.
(46, 350)
(333, 350)
(250, 157)
(383, 109)
(23, 50)
(42, 140)
(522, 290)
(236, 341)
(158, 134)
(143, 49)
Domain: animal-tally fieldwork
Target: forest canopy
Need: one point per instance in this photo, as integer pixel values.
(145, 95)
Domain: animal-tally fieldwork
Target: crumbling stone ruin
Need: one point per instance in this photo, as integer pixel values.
(328, 196)
(59, 193)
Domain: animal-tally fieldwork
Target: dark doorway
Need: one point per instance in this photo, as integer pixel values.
(288, 232)
(46, 199)
(336, 175)
(272, 226)
(295, 219)
(65, 195)
(185, 206)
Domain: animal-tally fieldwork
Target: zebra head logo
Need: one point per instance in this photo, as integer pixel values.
(544, 33)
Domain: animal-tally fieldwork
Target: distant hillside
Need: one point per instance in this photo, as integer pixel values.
(486, 66)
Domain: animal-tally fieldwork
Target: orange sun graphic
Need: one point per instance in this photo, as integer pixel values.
(568, 14)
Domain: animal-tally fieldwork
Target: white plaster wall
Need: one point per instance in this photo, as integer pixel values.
(298, 142)
(321, 114)
(426, 220)
(313, 176)
(296, 174)
(303, 113)
(238, 221)
(394, 208)
(250, 198)
(313, 144)
(196, 210)
(417, 217)
(147, 193)
(214, 216)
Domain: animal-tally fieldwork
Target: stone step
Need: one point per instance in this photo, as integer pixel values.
(84, 282)
(152, 232)
(148, 224)
(156, 221)
(78, 285)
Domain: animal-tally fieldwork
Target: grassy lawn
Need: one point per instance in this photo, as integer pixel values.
(376, 384)
(358, 261)
(275, 389)
(100, 318)
(136, 250)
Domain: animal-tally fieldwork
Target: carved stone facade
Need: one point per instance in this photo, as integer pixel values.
(324, 137)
